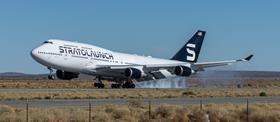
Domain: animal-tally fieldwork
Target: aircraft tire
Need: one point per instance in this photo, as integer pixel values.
(95, 84)
(115, 86)
(128, 85)
(99, 85)
(132, 85)
(125, 85)
(50, 77)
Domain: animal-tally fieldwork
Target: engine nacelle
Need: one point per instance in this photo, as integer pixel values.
(183, 71)
(133, 73)
(63, 75)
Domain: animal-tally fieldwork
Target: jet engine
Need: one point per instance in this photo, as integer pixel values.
(133, 73)
(183, 71)
(63, 75)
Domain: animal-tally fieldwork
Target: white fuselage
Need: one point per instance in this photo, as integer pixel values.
(72, 58)
(85, 58)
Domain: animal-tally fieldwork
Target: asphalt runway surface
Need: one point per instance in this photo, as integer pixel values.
(172, 101)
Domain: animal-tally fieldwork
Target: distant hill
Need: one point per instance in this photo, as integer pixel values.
(11, 74)
(16, 75)
(211, 74)
(23, 76)
(237, 74)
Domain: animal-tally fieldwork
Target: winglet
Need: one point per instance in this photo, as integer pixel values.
(249, 58)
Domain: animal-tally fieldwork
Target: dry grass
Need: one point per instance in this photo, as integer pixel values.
(137, 93)
(262, 83)
(84, 84)
(139, 112)
(37, 84)
(253, 88)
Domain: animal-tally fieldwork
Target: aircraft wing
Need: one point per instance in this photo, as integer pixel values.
(152, 72)
(160, 71)
(202, 66)
(146, 67)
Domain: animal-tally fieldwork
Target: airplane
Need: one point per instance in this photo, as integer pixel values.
(70, 59)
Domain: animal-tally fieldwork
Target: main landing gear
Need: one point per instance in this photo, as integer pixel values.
(51, 75)
(128, 84)
(116, 86)
(125, 85)
(99, 84)
(119, 84)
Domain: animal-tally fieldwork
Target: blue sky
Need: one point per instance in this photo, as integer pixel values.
(158, 28)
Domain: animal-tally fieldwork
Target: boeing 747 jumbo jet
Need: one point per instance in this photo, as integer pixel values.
(72, 58)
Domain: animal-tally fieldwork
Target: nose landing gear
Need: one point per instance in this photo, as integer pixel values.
(51, 75)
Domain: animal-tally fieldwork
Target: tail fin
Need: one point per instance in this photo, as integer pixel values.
(190, 51)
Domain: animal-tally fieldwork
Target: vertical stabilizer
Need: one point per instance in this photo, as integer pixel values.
(190, 51)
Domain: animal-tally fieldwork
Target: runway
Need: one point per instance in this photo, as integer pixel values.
(172, 101)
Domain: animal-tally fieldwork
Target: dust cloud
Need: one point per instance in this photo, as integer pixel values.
(174, 82)
(207, 79)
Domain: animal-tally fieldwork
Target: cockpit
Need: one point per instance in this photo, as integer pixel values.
(47, 42)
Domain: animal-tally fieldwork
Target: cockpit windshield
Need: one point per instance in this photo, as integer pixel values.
(49, 42)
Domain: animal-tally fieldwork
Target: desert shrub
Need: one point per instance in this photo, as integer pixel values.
(47, 97)
(181, 115)
(109, 108)
(239, 85)
(121, 114)
(188, 93)
(76, 97)
(7, 113)
(118, 113)
(6, 109)
(22, 98)
(267, 116)
(222, 115)
(197, 116)
(135, 104)
(101, 117)
(37, 98)
(263, 94)
(39, 116)
(250, 85)
(77, 115)
(145, 116)
(164, 111)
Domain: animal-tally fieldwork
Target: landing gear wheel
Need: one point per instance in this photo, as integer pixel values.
(95, 84)
(125, 85)
(132, 85)
(115, 86)
(51, 77)
(99, 85)
(128, 85)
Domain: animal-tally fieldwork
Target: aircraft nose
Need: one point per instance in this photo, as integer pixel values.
(34, 53)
